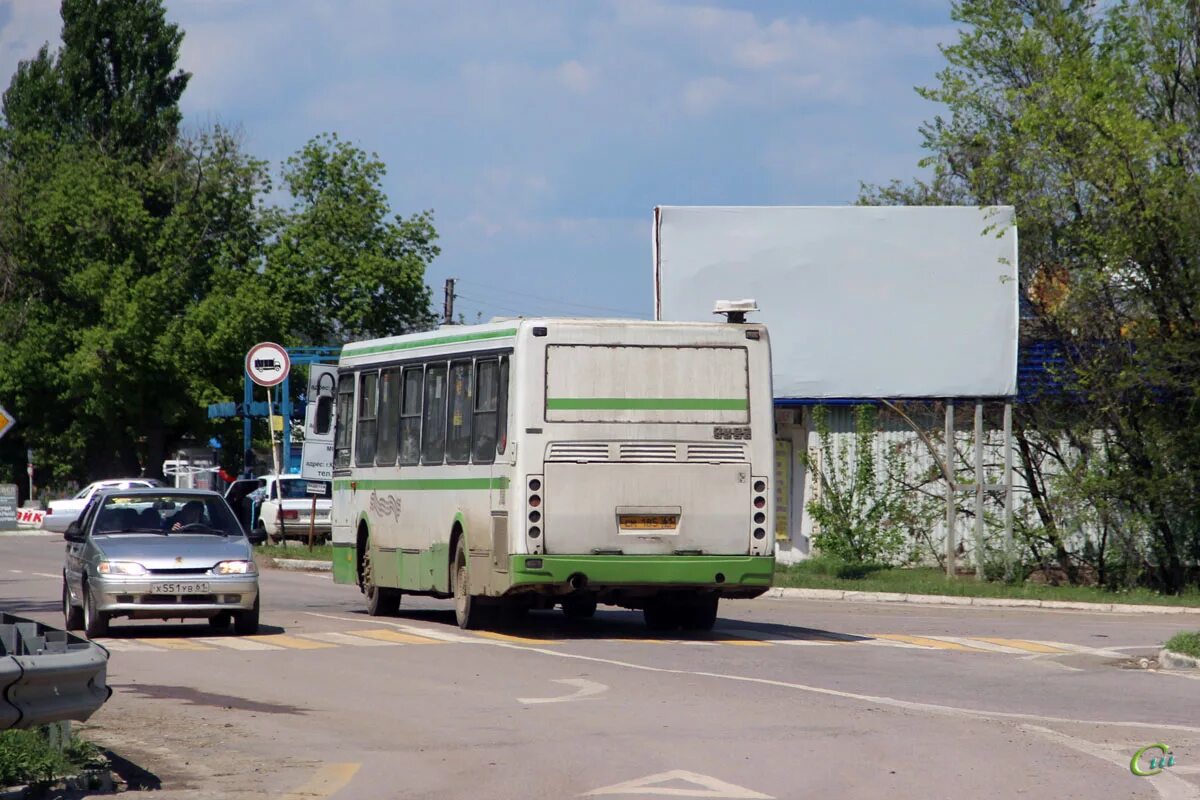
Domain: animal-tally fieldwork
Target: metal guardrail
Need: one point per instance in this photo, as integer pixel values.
(48, 675)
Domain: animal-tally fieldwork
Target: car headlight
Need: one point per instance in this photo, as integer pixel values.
(234, 568)
(120, 568)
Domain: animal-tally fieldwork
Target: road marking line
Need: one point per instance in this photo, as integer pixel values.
(128, 645)
(17, 571)
(1079, 648)
(1021, 644)
(283, 640)
(889, 643)
(236, 643)
(428, 633)
(744, 642)
(908, 705)
(45, 575)
(171, 643)
(983, 644)
(638, 640)
(708, 786)
(927, 642)
(812, 642)
(505, 637)
(326, 781)
(586, 689)
(1168, 786)
(395, 637)
(347, 639)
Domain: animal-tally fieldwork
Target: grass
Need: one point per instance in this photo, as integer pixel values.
(1185, 643)
(823, 573)
(27, 756)
(320, 552)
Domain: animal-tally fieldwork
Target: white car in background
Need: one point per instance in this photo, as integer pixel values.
(62, 513)
(265, 514)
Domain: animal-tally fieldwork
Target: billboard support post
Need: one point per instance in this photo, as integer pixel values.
(951, 503)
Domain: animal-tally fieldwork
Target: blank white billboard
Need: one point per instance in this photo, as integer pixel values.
(860, 301)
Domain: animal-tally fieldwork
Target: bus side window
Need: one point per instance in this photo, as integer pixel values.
(502, 408)
(462, 406)
(365, 436)
(487, 384)
(389, 416)
(433, 421)
(410, 416)
(344, 421)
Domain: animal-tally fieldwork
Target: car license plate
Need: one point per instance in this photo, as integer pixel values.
(181, 588)
(649, 522)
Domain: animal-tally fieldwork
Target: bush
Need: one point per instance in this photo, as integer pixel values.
(28, 756)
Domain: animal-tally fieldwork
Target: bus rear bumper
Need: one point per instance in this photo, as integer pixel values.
(733, 576)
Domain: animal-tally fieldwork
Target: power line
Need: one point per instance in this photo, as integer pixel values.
(550, 299)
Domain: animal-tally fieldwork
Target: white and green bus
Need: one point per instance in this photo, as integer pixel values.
(541, 462)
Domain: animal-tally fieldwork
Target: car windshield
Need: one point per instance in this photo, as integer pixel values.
(166, 513)
(293, 489)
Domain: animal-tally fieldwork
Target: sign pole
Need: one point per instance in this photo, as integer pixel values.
(268, 365)
(312, 522)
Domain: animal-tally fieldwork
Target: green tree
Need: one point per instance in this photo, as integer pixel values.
(113, 83)
(137, 265)
(863, 509)
(340, 251)
(1086, 118)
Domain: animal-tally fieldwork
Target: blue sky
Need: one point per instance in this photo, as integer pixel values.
(542, 134)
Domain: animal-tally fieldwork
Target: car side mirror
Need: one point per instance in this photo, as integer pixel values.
(74, 533)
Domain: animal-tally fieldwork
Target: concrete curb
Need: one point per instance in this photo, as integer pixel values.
(1169, 659)
(303, 565)
(982, 602)
(93, 781)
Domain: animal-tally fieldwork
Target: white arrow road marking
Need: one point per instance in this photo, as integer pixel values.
(707, 786)
(586, 689)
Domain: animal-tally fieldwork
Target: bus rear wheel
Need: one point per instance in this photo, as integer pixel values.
(579, 607)
(381, 601)
(470, 611)
(700, 613)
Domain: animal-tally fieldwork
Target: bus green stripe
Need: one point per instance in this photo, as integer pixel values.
(424, 484)
(354, 352)
(646, 404)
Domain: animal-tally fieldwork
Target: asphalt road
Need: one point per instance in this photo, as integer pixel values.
(786, 699)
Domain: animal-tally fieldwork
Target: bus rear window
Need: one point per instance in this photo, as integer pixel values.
(607, 383)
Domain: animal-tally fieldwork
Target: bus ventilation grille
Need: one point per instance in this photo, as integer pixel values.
(644, 451)
(577, 451)
(718, 453)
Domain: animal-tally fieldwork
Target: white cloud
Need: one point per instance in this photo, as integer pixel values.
(575, 76)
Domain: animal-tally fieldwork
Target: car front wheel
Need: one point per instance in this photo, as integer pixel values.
(72, 614)
(245, 623)
(95, 622)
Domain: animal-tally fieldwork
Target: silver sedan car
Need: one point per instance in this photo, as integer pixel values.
(159, 553)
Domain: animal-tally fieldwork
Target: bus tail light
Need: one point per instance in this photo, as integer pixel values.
(534, 513)
(758, 516)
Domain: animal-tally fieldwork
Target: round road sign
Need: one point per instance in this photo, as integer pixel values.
(267, 364)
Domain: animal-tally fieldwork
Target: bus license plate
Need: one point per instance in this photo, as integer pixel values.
(181, 588)
(649, 522)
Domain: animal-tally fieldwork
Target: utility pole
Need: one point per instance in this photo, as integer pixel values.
(448, 306)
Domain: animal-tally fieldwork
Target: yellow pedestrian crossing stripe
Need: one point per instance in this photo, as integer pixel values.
(735, 637)
(292, 642)
(925, 641)
(386, 635)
